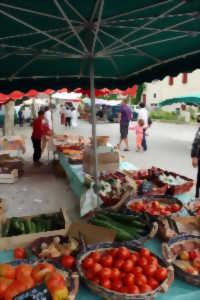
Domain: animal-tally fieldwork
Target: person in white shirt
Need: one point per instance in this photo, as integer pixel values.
(74, 118)
(48, 117)
(144, 115)
(68, 116)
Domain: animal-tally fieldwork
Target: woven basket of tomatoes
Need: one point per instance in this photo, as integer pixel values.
(114, 271)
(155, 206)
(27, 278)
(183, 251)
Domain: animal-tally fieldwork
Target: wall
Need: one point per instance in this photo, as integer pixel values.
(164, 91)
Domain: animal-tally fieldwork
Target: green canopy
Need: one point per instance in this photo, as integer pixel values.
(190, 100)
(50, 43)
(112, 43)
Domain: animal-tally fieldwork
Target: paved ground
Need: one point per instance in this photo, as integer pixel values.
(39, 190)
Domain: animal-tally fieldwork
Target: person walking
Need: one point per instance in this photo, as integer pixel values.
(144, 115)
(62, 115)
(21, 117)
(195, 155)
(139, 129)
(68, 116)
(124, 119)
(74, 118)
(37, 134)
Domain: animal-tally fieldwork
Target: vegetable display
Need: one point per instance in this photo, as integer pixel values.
(154, 207)
(126, 227)
(17, 226)
(19, 279)
(124, 271)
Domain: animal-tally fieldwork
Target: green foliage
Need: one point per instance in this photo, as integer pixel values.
(141, 88)
(164, 115)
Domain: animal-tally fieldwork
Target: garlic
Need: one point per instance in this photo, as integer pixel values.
(56, 240)
(44, 246)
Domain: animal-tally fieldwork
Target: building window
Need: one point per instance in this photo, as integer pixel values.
(154, 95)
(185, 78)
(171, 80)
(144, 98)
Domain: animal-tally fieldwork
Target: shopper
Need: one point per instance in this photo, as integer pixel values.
(144, 115)
(195, 154)
(74, 118)
(139, 129)
(62, 115)
(38, 132)
(124, 119)
(21, 117)
(48, 117)
(68, 116)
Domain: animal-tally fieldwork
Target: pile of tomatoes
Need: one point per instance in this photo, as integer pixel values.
(154, 208)
(16, 280)
(124, 271)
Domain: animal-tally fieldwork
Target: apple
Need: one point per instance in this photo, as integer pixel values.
(194, 254)
(196, 263)
(192, 270)
(184, 255)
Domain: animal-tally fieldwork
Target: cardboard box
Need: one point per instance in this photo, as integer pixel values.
(92, 234)
(24, 240)
(108, 162)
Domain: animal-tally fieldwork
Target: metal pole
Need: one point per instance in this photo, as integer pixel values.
(92, 95)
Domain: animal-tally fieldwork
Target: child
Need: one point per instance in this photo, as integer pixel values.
(139, 129)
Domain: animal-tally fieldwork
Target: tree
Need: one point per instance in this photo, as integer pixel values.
(141, 88)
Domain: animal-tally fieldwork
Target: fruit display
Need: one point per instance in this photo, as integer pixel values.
(155, 206)
(113, 186)
(26, 225)
(75, 159)
(20, 278)
(127, 227)
(54, 247)
(184, 252)
(117, 272)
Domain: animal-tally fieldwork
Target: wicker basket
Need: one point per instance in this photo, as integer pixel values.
(171, 249)
(152, 227)
(72, 278)
(112, 295)
(161, 198)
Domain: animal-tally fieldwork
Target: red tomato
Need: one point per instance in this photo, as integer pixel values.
(4, 284)
(194, 254)
(155, 204)
(105, 273)
(88, 263)
(129, 279)
(134, 257)
(117, 285)
(123, 253)
(175, 207)
(89, 275)
(133, 289)
(161, 274)
(115, 273)
(68, 261)
(145, 252)
(96, 268)
(113, 252)
(142, 262)
(140, 279)
(19, 253)
(128, 265)
(96, 280)
(150, 270)
(153, 260)
(96, 256)
(153, 283)
(145, 289)
(124, 290)
(118, 263)
(106, 261)
(106, 283)
(139, 206)
(137, 270)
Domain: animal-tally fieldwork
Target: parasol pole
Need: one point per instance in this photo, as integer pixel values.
(92, 95)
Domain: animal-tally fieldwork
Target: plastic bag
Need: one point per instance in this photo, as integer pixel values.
(88, 202)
